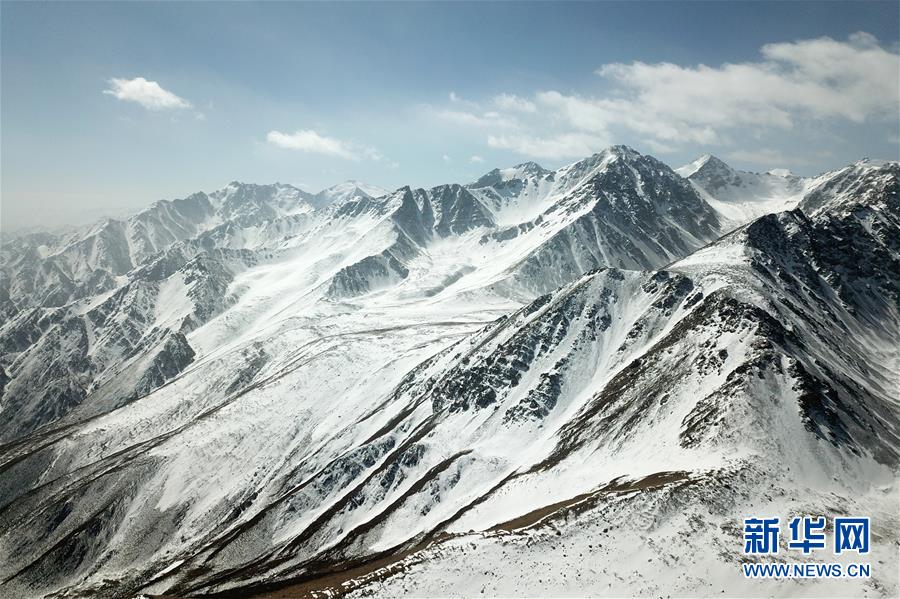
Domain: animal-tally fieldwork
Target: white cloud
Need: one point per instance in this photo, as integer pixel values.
(476, 158)
(148, 94)
(488, 119)
(447, 158)
(462, 102)
(307, 140)
(368, 153)
(598, 115)
(514, 103)
(563, 145)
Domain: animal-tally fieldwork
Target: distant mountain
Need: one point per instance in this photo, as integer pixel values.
(49, 270)
(259, 386)
(741, 196)
(347, 191)
(508, 178)
(617, 208)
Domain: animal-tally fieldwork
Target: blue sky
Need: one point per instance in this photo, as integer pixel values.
(110, 106)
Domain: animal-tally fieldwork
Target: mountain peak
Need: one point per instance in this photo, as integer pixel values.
(607, 156)
(710, 160)
(531, 168)
(706, 163)
(601, 160)
(622, 151)
(348, 190)
(521, 171)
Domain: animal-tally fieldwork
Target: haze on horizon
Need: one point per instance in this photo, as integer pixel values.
(109, 107)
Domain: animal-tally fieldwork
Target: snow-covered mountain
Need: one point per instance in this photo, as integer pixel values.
(741, 196)
(348, 190)
(469, 385)
(44, 269)
(615, 208)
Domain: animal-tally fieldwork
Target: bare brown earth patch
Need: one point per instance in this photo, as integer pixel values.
(340, 582)
(585, 500)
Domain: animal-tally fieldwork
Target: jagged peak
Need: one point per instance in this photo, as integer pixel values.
(104, 224)
(611, 154)
(522, 171)
(492, 177)
(711, 159)
(351, 189)
(531, 168)
(242, 188)
(705, 163)
(454, 187)
(621, 151)
(602, 160)
(239, 185)
(351, 184)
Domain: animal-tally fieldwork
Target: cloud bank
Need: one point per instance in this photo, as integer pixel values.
(816, 82)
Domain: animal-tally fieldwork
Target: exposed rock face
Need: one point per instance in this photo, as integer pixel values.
(457, 211)
(370, 273)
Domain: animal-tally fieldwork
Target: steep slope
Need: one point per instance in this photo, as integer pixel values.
(414, 219)
(93, 356)
(516, 193)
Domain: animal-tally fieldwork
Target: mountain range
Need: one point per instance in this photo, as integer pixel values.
(544, 382)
